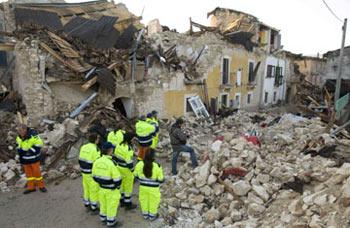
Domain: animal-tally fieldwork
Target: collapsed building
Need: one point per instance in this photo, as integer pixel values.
(68, 60)
(331, 68)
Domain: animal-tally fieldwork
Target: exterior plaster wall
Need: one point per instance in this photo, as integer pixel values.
(268, 84)
(331, 66)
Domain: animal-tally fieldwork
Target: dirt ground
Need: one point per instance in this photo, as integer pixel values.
(61, 206)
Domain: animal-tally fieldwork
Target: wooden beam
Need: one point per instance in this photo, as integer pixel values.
(56, 56)
(89, 83)
(313, 101)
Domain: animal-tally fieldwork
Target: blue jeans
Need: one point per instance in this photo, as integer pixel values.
(176, 152)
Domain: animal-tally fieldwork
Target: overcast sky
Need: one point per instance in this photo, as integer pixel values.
(306, 25)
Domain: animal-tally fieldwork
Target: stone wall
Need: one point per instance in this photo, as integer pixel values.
(332, 65)
(27, 81)
(59, 98)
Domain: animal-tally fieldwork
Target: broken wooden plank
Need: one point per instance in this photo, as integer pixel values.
(203, 27)
(336, 131)
(72, 64)
(65, 47)
(56, 56)
(313, 101)
(88, 84)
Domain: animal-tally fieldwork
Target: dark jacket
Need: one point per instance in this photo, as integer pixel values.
(29, 148)
(177, 136)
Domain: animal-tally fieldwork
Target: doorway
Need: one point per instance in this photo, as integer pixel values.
(124, 105)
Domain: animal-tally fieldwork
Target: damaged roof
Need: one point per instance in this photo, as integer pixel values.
(335, 53)
(97, 33)
(241, 14)
(219, 9)
(99, 24)
(90, 10)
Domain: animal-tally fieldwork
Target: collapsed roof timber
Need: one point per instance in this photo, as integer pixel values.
(98, 47)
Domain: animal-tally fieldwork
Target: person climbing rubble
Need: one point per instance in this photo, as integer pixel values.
(107, 175)
(89, 153)
(150, 175)
(29, 146)
(178, 141)
(123, 155)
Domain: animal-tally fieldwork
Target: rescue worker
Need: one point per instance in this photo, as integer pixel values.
(152, 119)
(107, 175)
(29, 147)
(144, 132)
(99, 127)
(123, 155)
(89, 153)
(116, 137)
(150, 176)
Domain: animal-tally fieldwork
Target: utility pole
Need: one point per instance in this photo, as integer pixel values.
(340, 65)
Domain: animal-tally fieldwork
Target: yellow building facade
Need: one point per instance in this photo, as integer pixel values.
(230, 91)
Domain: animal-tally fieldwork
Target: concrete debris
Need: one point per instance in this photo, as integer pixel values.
(241, 188)
(54, 174)
(212, 215)
(243, 185)
(21, 183)
(9, 175)
(202, 176)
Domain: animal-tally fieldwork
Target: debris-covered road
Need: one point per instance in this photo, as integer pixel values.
(60, 207)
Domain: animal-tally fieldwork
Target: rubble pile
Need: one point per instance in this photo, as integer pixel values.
(241, 184)
(62, 142)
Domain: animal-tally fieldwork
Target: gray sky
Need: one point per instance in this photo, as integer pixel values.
(306, 25)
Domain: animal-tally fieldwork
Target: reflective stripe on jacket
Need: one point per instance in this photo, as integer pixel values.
(106, 174)
(123, 155)
(145, 131)
(88, 154)
(155, 180)
(29, 148)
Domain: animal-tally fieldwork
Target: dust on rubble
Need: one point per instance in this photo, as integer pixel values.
(256, 169)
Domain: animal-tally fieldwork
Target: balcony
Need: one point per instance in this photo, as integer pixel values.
(226, 86)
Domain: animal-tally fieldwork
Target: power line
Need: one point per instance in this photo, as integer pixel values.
(330, 10)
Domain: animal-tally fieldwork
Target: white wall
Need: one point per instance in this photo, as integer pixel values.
(269, 82)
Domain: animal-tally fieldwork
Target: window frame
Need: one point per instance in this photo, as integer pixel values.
(266, 97)
(249, 62)
(227, 99)
(186, 97)
(250, 96)
(222, 70)
(240, 98)
(273, 71)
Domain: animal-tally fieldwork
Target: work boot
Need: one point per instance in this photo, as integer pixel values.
(94, 211)
(43, 189)
(115, 224)
(153, 217)
(130, 206)
(121, 203)
(27, 191)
